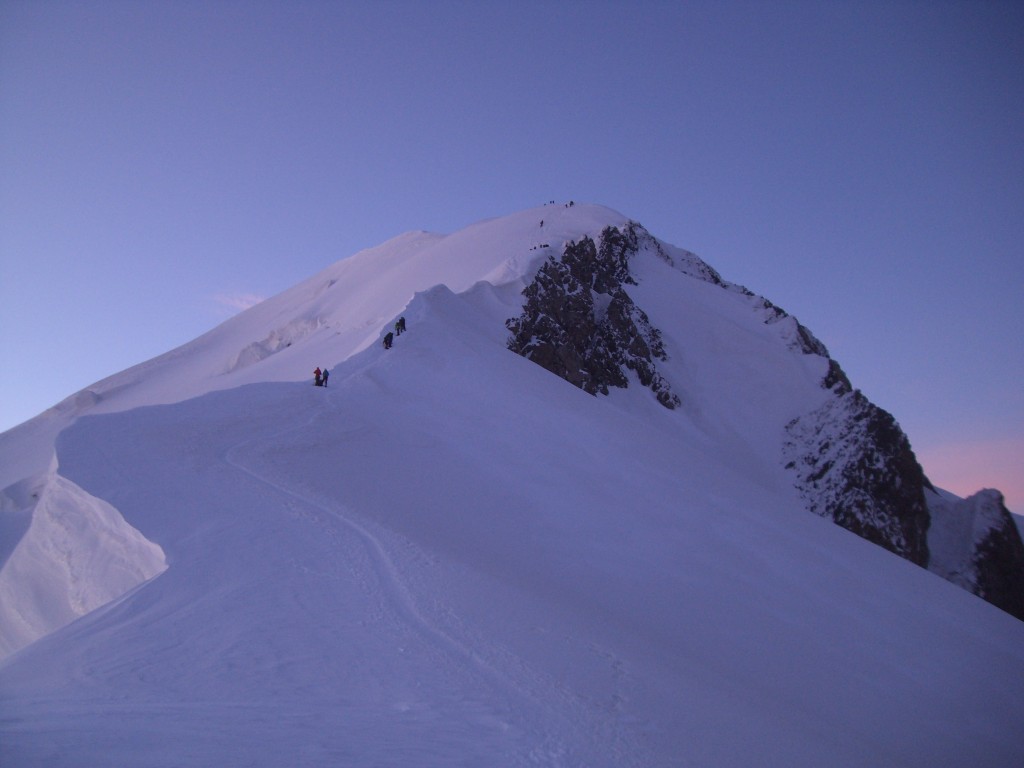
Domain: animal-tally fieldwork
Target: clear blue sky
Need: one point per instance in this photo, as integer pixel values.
(860, 164)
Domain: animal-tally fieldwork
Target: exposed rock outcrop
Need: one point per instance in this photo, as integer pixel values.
(976, 545)
(579, 323)
(854, 465)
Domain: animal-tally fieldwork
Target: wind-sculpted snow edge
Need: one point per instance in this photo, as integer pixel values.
(75, 551)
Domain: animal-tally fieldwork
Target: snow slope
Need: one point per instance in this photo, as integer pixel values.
(451, 557)
(320, 321)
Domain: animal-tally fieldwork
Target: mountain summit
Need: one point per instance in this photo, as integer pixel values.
(580, 513)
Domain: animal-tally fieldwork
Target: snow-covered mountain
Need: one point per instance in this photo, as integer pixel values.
(566, 520)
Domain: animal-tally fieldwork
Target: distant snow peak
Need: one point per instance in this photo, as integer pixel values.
(579, 323)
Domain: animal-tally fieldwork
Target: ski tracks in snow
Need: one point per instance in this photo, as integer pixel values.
(558, 727)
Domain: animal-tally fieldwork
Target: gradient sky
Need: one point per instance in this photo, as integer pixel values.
(860, 164)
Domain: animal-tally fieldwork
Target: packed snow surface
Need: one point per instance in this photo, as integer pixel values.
(451, 557)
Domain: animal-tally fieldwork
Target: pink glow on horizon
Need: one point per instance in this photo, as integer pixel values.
(966, 467)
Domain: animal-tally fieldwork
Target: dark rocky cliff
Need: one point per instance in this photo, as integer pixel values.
(579, 322)
(854, 465)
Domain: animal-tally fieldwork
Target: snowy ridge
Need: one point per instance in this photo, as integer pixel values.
(334, 314)
(451, 557)
(322, 320)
